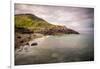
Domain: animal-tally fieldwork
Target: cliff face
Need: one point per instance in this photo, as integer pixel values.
(27, 25)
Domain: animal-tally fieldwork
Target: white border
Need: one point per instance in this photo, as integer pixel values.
(12, 34)
(59, 3)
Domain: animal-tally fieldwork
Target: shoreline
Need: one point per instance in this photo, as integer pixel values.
(28, 39)
(24, 39)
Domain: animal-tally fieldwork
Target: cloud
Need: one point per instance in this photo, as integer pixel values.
(73, 17)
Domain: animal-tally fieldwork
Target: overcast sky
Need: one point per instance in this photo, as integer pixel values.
(77, 18)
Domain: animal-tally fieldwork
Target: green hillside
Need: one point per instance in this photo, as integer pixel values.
(30, 21)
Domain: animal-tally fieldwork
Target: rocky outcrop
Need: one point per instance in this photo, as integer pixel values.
(34, 44)
(57, 30)
(22, 38)
(23, 30)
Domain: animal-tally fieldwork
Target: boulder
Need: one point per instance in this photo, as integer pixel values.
(33, 44)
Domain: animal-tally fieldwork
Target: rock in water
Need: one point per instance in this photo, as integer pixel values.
(27, 44)
(33, 44)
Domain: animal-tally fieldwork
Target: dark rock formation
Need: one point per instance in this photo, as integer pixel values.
(27, 44)
(58, 30)
(33, 44)
(23, 30)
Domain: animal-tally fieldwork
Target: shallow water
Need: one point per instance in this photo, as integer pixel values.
(53, 49)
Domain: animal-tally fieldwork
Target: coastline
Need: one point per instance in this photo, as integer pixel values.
(24, 39)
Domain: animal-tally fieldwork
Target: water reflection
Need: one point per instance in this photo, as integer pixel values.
(52, 49)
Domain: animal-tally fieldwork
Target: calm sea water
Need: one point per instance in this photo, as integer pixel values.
(54, 49)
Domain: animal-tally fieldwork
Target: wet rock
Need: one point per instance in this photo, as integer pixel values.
(33, 44)
(27, 43)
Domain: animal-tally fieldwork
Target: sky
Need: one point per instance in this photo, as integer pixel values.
(78, 18)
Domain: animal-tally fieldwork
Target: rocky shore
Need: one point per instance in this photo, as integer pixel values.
(23, 36)
(56, 30)
(23, 39)
(29, 27)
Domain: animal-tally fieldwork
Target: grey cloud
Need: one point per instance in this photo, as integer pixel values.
(82, 17)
